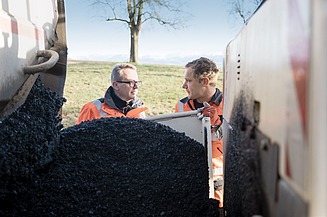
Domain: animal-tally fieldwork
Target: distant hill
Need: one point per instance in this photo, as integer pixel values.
(178, 60)
(165, 60)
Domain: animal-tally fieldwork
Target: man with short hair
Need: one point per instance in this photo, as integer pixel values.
(200, 84)
(120, 99)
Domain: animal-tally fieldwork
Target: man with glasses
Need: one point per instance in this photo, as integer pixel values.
(120, 99)
(200, 81)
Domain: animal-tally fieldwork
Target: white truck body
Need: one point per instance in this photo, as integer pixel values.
(276, 68)
(24, 31)
(29, 29)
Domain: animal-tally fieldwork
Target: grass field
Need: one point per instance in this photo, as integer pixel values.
(86, 81)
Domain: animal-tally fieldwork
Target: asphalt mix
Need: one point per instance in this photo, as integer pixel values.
(105, 167)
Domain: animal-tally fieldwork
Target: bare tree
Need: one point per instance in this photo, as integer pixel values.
(243, 8)
(134, 13)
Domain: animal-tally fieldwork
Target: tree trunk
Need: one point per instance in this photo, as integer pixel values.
(134, 47)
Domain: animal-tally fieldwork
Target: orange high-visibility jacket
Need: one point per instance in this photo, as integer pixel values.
(105, 107)
(216, 101)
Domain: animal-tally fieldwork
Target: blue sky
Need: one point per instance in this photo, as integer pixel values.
(209, 29)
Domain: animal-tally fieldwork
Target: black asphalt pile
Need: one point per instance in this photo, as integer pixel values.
(125, 167)
(242, 189)
(29, 138)
(105, 167)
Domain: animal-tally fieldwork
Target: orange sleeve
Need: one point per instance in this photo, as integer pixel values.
(176, 107)
(220, 107)
(88, 112)
(136, 113)
(219, 111)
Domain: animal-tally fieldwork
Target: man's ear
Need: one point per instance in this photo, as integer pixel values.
(114, 85)
(205, 81)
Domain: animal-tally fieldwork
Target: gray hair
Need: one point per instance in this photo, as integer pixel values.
(116, 73)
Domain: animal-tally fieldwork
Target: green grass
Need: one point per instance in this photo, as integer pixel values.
(86, 81)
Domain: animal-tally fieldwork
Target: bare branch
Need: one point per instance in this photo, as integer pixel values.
(243, 8)
(117, 19)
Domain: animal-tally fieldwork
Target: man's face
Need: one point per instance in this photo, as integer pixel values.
(126, 91)
(194, 89)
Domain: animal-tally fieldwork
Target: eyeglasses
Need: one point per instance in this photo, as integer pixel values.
(131, 83)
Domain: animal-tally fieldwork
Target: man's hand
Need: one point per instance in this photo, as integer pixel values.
(210, 111)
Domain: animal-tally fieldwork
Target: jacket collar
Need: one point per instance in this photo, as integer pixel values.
(113, 101)
(216, 98)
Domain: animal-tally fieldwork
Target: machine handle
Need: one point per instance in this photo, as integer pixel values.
(53, 59)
